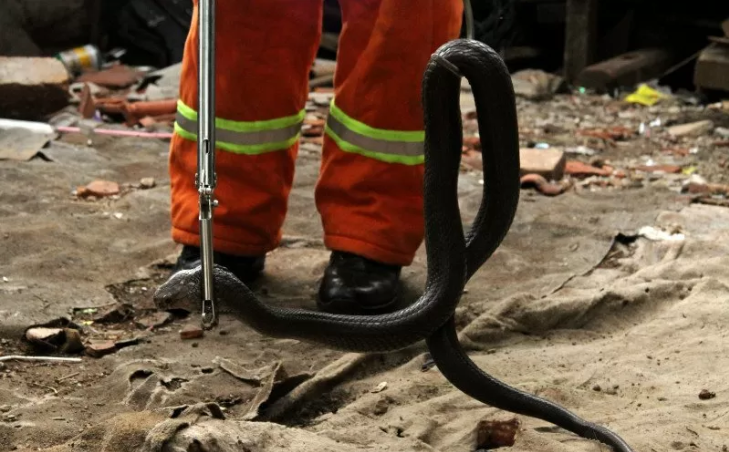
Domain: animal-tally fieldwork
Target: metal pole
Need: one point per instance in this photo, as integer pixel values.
(206, 177)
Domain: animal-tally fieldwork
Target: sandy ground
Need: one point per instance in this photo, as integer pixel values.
(577, 306)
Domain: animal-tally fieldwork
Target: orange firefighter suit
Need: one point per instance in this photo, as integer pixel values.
(369, 193)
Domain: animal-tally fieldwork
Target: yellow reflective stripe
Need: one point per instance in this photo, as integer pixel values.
(378, 134)
(244, 126)
(243, 137)
(388, 158)
(247, 149)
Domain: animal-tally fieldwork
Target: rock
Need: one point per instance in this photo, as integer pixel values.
(722, 132)
(691, 129)
(98, 188)
(705, 394)
(535, 84)
(147, 182)
(99, 349)
(191, 332)
(548, 163)
(495, 434)
(32, 88)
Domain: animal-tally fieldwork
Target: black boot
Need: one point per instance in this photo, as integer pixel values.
(245, 268)
(355, 285)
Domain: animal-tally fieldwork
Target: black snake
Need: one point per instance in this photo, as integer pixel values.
(452, 257)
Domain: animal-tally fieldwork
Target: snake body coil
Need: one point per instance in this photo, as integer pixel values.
(452, 258)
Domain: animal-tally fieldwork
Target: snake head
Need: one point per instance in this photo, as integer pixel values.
(182, 291)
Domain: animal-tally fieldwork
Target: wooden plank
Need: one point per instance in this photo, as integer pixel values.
(580, 36)
(627, 69)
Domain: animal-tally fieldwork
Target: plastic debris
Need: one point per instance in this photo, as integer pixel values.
(645, 95)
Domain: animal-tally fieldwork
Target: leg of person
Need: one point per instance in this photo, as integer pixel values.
(264, 51)
(370, 192)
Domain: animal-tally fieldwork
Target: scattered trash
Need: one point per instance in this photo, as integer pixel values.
(705, 394)
(80, 59)
(580, 150)
(191, 332)
(645, 95)
(98, 188)
(496, 434)
(659, 235)
(380, 387)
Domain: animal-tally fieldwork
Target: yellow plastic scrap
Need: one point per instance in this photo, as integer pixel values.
(645, 95)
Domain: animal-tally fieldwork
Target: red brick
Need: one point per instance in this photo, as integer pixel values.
(99, 349)
(548, 163)
(191, 332)
(579, 169)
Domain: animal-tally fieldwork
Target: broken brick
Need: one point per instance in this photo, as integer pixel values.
(87, 107)
(472, 142)
(312, 131)
(99, 349)
(154, 320)
(134, 112)
(118, 76)
(99, 188)
(548, 163)
(473, 159)
(32, 88)
(578, 169)
(191, 332)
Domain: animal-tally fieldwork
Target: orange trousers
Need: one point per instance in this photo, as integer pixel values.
(369, 193)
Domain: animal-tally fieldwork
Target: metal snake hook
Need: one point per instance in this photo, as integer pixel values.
(206, 179)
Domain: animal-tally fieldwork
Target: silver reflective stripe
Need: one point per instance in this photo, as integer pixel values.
(405, 148)
(243, 138)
